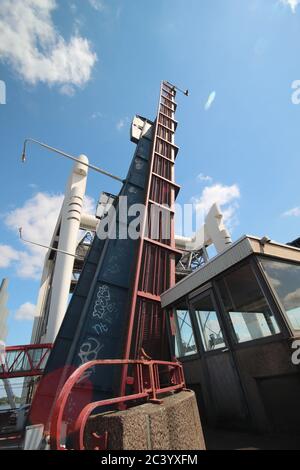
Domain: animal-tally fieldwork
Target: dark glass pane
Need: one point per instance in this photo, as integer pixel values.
(285, 278)
(246, 305)
(210, 329)
(185, 339)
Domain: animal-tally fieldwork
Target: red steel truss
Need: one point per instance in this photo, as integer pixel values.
(24, 361)
(149, 379)
(155, 270)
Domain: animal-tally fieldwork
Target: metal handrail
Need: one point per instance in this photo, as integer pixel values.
(148, 387)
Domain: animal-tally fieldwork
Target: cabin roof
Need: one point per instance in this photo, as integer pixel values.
(236, 252)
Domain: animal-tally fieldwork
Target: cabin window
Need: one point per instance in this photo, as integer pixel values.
(285, 279)
(246, 305)
(185, 344)
(208, 322)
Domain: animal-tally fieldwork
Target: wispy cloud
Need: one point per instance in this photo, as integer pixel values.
(26, 312)
(7, 256)
(96, 115)
(295, 212)
(32, 45)
(122, 123)
(210, 100)
(97, 4)
(205, 178)
(73, 7)
(68, 90)
(291, 3)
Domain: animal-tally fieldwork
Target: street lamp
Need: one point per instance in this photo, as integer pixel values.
(48, 247)
(70, 157)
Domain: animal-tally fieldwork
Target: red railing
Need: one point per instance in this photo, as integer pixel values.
(23, 361)
(147, 385)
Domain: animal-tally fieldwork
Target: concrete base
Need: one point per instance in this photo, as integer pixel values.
(173, 425)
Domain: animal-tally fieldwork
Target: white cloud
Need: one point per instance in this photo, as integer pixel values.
(7, 256)
(67, 90)
(225, 196)
(37, 217)
(292, 3)
(26, 312)
(210, 100)
(121, 123)
(31, 44)
(89, 205)
(97, 4)
(73, 8)
(96, 115)
(295, 212)
(205, 178)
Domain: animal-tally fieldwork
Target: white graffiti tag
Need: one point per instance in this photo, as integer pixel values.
(100, 328)
(89, 352)
(102, 315)
(103, 308)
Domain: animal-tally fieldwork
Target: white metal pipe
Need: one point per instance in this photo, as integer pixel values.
(88, 222)
(68, 240)
(213, 231)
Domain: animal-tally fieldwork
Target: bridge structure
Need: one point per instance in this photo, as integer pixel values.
(23, 361)
(115, 345)
(115, 312)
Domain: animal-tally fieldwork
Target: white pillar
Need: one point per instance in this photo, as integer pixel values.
(7, 386)
(68, 240)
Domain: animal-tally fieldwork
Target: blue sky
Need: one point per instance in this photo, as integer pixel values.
(76, 72)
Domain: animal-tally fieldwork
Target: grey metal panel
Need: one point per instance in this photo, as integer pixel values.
(232, 255)
(201, 289)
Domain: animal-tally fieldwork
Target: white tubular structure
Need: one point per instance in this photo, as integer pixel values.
(213, 232)
(68, 240)
(88, 222)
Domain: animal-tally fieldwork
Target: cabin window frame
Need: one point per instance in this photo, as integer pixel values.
(267, 293)
(288, 326)
(226, 324)
(174, 308)
(209, 290)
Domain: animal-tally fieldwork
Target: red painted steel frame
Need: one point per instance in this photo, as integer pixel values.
(10, 371)
(160, 255)
(148, 387)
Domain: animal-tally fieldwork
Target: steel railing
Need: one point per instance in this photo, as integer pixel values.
(149, 380)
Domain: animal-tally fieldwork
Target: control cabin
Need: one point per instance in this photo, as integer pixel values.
(237, 319)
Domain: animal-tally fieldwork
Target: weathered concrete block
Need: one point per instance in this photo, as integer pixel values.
(173, 425)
